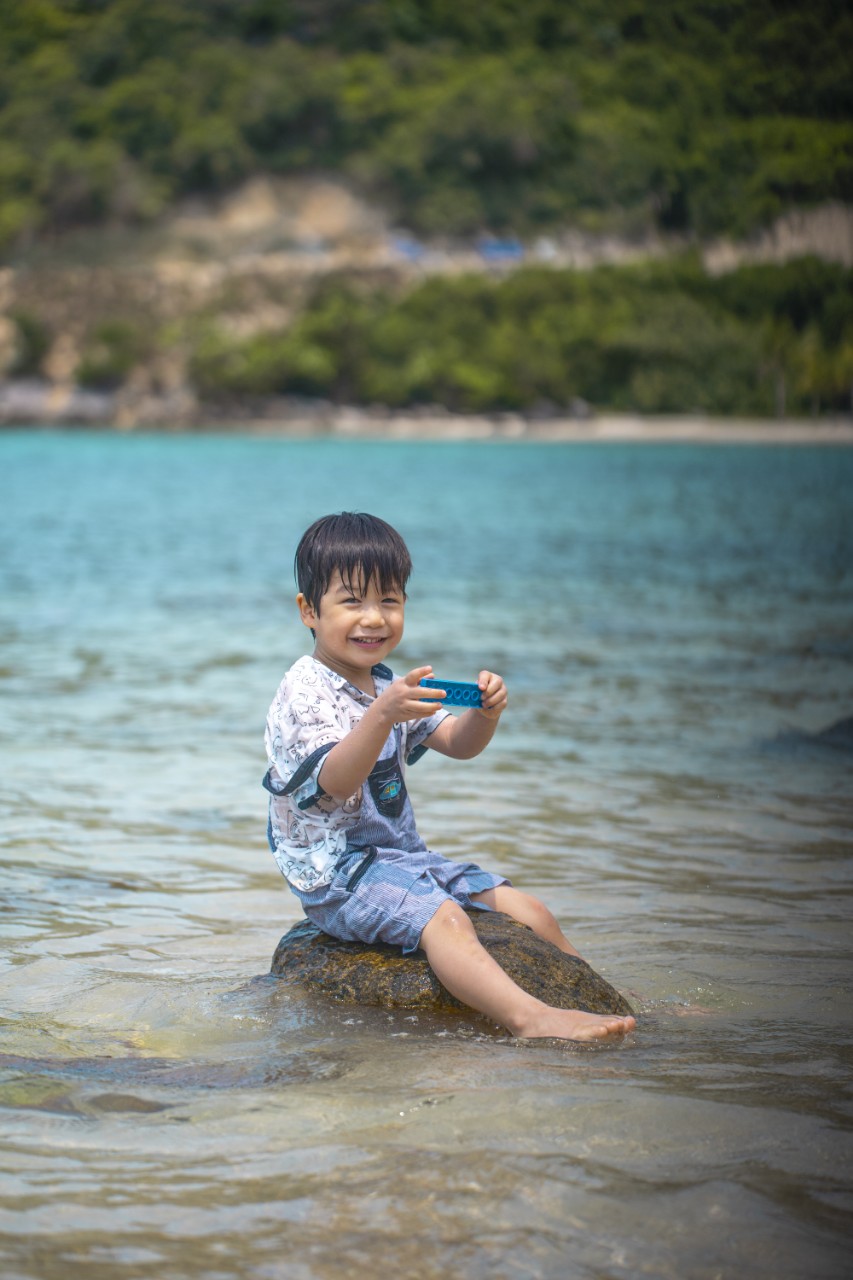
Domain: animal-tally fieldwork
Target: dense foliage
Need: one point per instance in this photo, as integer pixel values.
(662, 337)
(700, 115)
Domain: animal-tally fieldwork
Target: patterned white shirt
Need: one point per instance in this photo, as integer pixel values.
(313, 710)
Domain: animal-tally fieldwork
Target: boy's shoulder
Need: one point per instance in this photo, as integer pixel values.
(305, 667)
(307, 685)
(308, 673)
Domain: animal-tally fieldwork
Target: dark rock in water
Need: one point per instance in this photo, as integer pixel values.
(839, 734)
(382, 975)
(835, 737)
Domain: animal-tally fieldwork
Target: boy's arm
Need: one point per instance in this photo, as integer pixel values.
(349, 762)
(465, 736)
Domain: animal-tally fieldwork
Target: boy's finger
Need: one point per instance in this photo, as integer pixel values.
(431, 695)
(418, 674)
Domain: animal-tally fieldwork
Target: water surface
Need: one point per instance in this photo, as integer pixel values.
(675, 624)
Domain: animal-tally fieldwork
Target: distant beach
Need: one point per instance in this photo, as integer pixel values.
(35, 403)
(700, 429)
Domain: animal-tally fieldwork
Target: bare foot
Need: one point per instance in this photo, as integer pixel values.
(572, 1024)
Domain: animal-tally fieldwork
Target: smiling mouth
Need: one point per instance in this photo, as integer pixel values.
(369, 640)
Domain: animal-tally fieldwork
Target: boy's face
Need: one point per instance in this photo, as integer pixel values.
(356, 626)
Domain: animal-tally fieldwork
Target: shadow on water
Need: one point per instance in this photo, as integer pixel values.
(65, 1085)
(267, 1037)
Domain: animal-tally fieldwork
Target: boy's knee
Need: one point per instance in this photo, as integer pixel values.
(450, 920)
(539, 911)
(512, 900)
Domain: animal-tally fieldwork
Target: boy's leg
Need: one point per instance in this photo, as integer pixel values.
(528, 910)
(468, 972)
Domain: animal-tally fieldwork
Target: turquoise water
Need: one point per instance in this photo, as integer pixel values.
(675, 625)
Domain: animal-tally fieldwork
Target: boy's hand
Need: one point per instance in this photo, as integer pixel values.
(463, 737)
(493, 691)
(405, 699)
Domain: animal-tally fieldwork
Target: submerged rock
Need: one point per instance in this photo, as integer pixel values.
(839, 734)
(381, 975)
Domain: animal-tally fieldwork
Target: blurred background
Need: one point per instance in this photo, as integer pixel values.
(236, 207)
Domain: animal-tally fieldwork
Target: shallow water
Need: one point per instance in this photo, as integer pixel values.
(675, 624)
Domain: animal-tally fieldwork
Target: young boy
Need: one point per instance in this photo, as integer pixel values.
(341, 827)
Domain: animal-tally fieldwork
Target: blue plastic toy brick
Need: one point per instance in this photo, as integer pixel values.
(460, 693)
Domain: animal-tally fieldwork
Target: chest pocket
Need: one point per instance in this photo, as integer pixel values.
(387, 788)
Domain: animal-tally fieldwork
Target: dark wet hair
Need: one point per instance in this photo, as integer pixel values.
(359, 547)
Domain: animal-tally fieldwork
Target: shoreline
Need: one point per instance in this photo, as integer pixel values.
(610, 428)
(38, 406)
(599, 428)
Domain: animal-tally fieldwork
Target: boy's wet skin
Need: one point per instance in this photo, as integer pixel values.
(464, 966)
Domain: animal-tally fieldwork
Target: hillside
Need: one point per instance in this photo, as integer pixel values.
(232, 310)
(496, 115)
(494, 207)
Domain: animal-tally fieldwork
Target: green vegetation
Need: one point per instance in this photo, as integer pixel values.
(505, 116)
(662, 337)
(114, 348)
(698, 115)
(33, 341)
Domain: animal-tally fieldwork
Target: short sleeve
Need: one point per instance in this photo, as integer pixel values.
(305, 721)
(417, 731)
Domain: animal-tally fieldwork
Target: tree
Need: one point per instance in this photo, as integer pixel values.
(778, 346)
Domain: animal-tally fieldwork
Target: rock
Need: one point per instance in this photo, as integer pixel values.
(381, 975)
(839, 734)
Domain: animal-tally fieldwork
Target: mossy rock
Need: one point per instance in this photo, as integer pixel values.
(377, 974)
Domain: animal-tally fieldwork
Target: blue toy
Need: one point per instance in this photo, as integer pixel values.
(460, 693)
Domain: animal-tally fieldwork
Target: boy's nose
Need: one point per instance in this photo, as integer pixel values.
(372, 615)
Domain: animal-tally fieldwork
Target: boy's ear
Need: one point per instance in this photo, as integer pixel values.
(306, 611)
